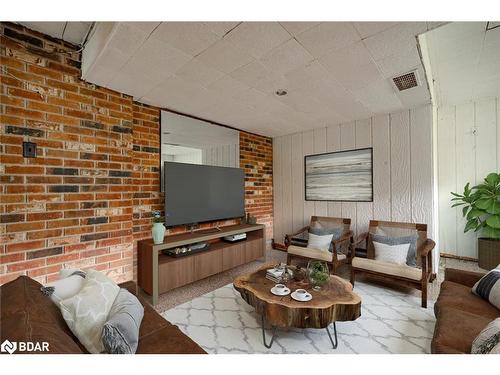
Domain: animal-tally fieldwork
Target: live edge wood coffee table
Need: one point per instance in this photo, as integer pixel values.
(335, 302)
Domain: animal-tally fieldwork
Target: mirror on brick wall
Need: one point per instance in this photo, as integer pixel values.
(188, 140)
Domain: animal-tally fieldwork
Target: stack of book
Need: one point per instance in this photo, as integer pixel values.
(274, 274)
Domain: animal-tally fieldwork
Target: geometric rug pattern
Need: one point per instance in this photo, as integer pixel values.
(391, 322)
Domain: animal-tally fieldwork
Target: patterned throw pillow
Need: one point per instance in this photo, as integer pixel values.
(65, 287)
(488, 339)
(86, 312)
(391, 253)
(411, 257)
(488, 287)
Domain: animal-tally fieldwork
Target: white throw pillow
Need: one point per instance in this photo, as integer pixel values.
(391, 253)
(319, 242)
(64, 288)
(67, 272)
(86, 312)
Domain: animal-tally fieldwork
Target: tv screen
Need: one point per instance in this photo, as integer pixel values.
(197, 193)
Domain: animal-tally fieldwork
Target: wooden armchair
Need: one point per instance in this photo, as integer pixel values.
(296, 243)
(416, 277)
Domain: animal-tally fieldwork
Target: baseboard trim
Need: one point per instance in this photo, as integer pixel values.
(452, 256)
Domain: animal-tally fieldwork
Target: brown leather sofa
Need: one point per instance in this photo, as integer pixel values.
(28, 315)
(460, 314)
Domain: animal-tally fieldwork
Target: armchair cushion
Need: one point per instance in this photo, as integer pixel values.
(411, 257)
(393, 269)
(307, 252)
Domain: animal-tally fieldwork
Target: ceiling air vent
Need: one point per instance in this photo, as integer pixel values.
(406, 81)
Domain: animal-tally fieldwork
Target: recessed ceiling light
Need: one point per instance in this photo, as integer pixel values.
(281, 92)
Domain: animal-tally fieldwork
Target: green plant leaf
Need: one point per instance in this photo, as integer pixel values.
(471, 224)
(475, 213)
(456, 195)
(491, 232)
(493, 221)
(484, 203)
(458, 204)
(493, 178)
(494, 208)
(464, 210)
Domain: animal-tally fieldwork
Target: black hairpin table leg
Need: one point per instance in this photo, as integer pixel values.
(334, 344)
(264, 334)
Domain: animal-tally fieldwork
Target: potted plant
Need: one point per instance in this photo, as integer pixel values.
(481, 208)
(158, 231)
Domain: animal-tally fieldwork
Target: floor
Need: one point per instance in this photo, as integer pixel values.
(189, 292)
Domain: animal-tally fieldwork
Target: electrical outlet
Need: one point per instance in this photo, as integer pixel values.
(29, 150)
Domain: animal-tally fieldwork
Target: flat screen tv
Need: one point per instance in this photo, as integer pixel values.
(199, 193)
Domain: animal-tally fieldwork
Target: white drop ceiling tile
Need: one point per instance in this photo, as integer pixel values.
(190, 37)
(286, 57)
(198, 73)
(251, 73)
(347, 59)
(414, 97)
(157, 59)
(145, 27)
(227, 86)
(225, 56)
(136, 84)
(435, 25)
(295, 28)
(75, 32)
(221, 28)
(366, 29)
(394, 40)
(355, 79)
(394, 65)
(328, 36)
(258, 38)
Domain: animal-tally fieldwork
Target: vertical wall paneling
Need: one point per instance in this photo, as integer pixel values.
(421, 168)
(400, 167)
(278, 190)
(333, 144)
(486, 138)
(297, 207)
(307, 149)
(466, 243)
(348, 142)
(286, 171)
(468, 148)
(364, 210)
(402, 157)
(381, 167)
(320, 208)
(447, 179)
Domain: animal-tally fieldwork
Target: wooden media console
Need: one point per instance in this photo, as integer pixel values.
(158, 273)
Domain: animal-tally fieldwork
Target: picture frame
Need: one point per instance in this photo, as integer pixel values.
(339, 176)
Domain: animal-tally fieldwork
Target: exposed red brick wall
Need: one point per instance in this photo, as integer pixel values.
(87, 197)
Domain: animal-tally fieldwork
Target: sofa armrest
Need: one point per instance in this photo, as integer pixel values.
(466, 278)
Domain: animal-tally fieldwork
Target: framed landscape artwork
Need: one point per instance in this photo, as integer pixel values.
(339, 176)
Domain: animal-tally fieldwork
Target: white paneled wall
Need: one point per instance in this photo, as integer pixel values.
(402, 171)
(468, 148)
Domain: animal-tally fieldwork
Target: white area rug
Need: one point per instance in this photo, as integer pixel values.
(391, 322)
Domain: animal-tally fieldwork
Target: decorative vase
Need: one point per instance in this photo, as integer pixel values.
(158, 233)
(317, 273)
